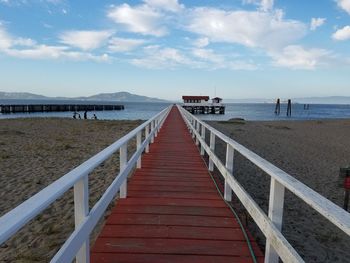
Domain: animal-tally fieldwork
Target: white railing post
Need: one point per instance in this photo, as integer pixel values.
(276, 204)
(156, 128)
(138, 146)
(81, 210)
(197, 129)
(203, 138)
(229, 167)
(152, 128)
(212, 148)
(123, 162)
(146, 136)
(194, 123)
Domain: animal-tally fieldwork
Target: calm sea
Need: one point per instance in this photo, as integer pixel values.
(144, 111)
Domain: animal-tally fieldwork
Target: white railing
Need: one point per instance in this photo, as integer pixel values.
(77, 245)
(276, 244)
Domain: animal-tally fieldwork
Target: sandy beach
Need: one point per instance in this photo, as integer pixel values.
(34, 153)
(312, 152)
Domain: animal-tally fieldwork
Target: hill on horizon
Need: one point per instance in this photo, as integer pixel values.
(122, 96)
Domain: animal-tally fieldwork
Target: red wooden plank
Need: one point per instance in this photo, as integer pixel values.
(179, 232)
(171, 246)
(155, 258)
(172, 202)
(141, 177)
(170, 220)
(173, 210)
(172, 183)
(172, 188)
(182, 195)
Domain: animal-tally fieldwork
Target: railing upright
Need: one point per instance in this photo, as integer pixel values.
(212, 148)
(156, 129)
(197, 130)
(123, 162)
(152, 128)
(276, 204)
(138, 147)
(203, 138)
(81, 211)
(146, 135)
(229, 167)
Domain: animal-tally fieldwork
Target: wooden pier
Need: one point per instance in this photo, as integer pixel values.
(173, 212)
(29, 108)
(200, 109)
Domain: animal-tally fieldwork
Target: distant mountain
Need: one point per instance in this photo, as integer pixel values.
(20, 96)
(123, 96)
(117, 96)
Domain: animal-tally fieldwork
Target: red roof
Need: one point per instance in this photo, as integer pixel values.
(195, 97)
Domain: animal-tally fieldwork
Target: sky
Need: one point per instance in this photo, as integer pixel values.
(235, 49)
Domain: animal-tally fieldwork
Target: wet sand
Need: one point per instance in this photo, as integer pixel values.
(34, 153)
(312, 152)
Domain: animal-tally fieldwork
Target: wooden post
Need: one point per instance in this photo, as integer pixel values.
(138, 146)
(203, 137)
(212, 148)
(123, 162)
(276, 203)
(81, 210)
(278, 107)
(197, 129)
(229, 167)
(289, 108)
(152, 128)
(146, 135)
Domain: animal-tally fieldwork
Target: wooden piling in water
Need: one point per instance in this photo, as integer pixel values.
(289, 108)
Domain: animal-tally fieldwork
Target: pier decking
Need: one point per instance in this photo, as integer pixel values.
(173, 212)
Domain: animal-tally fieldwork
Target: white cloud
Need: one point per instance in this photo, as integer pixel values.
(85, 40)
(27, 48)
(159, 58)
(345, 5)
(55, 52)
(141, 19)
(124, 44)
(342, 34)
(8, 41)
(201, 42)
(316, 22)
(297, 57)
(208, 55)
(265, 5)
(255, 29)
(167, 5)
(5, 39)
(221, 61)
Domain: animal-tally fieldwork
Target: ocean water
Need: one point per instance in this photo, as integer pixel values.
(247, 111)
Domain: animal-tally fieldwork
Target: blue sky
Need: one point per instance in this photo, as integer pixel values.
(168, 48)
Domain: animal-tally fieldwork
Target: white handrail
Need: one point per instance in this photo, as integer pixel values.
(276, 245)
(15, 219)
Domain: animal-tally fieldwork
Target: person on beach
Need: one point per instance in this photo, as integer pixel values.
(94, 117)
(85, 115)
(74, 115)
(79, 116)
